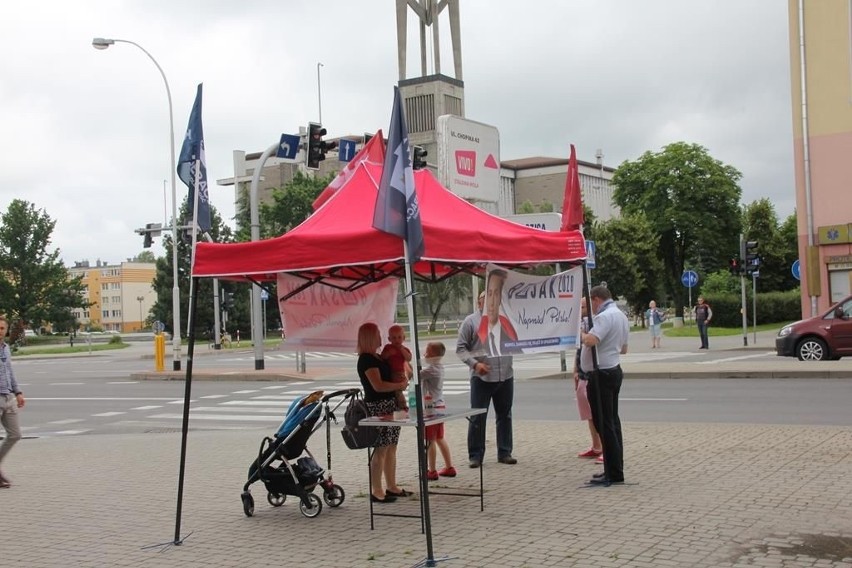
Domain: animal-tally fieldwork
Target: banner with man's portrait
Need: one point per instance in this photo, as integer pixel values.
(525, 313)
(323, 317)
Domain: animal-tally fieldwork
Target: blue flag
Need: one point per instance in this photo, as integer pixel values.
(397, 210)
(192, 153)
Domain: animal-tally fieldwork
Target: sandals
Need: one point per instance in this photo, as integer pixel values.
(402, 493)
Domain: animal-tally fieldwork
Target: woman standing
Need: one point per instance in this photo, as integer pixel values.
(380, 397)
(655, 323)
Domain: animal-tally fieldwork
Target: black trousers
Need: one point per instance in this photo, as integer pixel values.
(606, 385)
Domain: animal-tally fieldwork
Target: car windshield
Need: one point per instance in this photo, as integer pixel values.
(845, 306)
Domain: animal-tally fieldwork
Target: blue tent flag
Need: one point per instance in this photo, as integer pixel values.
(397, 211)
(192, 153)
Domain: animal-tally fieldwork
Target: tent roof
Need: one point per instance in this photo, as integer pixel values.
(338, 240)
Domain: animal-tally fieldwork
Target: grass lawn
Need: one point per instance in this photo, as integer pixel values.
(80, 346)
(692, 330)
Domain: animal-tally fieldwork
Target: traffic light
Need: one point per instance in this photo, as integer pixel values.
(751, 258)
(734, 266)
(418, 160)
(367, 137)
(229, 300)
(317, 147)
(148, 237)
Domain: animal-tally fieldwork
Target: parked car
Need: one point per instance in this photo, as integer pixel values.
(827, 336)
(30, 333)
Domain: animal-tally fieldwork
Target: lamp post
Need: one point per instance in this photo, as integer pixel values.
(319, 92)
(102, 43)
(141, 319)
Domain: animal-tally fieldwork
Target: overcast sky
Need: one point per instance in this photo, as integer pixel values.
(85, 132)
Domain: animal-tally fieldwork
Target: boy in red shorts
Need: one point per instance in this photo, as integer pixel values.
(432, 379)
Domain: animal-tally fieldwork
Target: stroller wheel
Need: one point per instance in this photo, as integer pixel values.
(334, 496)
(275, 499)
(315, 508)
(248, 503)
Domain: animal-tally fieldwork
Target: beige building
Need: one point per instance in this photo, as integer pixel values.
(821, 30)
(121, 295)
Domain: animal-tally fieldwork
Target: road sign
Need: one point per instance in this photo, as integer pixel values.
(158, 327)
(689, 278)
(288, 147)
(345, 150)
(590, 254)
(796, 269)
(264, 295)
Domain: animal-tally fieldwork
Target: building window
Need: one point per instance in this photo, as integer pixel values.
(105, 313)
(104, 286)
(116, 313)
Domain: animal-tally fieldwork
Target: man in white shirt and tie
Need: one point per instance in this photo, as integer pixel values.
(491, 373)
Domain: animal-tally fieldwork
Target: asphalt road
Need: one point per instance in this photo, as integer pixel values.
(93, 395)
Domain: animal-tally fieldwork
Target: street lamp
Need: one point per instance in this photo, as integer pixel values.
(102, 43)
(141, 319)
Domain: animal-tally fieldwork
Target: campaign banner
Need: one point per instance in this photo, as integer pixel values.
(526, 313)
(324, 317)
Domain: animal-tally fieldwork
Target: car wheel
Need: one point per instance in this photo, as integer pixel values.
(812, 349)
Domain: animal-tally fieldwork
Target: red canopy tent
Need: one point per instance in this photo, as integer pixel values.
(338, 240)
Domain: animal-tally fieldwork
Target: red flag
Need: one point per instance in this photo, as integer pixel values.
(373, 151)
(572, 204)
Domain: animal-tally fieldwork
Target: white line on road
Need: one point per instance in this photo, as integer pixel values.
(241, 417)
(152, 407)
(67, 421)
(66, 384)
(220, 409)
(71, 432)
(652, 399)
(215, 396)
(740, 358)
(122, 382)
(244, 391)
(105, 414)
(101, 398)
(282, 404)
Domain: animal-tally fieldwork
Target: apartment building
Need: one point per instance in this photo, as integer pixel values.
(121, 295)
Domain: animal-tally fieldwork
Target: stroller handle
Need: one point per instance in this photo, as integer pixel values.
(346, 392)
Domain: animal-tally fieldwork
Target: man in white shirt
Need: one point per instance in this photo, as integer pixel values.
(608, 335)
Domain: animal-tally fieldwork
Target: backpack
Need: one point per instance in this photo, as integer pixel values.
(355, 436)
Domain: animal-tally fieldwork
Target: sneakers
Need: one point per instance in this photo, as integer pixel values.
(590, 453)
(446, 472)
(507, 460)
(600, 459)
(432, 475)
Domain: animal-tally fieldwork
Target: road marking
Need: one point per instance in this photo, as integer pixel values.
(740, 358)
(71, 432)
(290, 397)
(181, 402)
(240, 417)
(106, 414)
(244, 391)
(215, 396)
(67, 421)
(652, 399)
(152, 407)
(101, 398)
(283, 403)
(122, 382)
(220, 409)
(65, 384)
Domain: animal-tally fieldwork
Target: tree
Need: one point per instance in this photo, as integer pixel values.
(290, 205)
(436, 295)
(692, 203)
(145, 256)
(760, 223)
(35, 287)
(626, 259)
(164, 279)
(789, 243)
(526, 208)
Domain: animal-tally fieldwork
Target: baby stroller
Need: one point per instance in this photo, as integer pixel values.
(304, 416)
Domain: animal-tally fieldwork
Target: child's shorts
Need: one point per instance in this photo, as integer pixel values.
(435, 432)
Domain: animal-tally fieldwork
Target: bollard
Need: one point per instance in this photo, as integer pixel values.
(159, 352)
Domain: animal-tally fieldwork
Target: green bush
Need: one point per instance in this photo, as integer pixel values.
(115, 340)
(771, 307)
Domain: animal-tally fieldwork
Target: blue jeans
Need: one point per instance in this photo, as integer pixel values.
(482, 394)
(702, 333)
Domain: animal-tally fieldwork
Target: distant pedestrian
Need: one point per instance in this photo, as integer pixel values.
(655, 323)
(703, 315)
(11, 399)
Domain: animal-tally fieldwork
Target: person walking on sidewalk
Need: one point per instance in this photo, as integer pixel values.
(11, 399)
(491, 380)
(703, 315)
(609, 336)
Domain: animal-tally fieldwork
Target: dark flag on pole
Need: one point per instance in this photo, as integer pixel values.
(397, 211)
(192, 158)
(572, 204)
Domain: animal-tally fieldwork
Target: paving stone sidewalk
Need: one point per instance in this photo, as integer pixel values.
(698, 495)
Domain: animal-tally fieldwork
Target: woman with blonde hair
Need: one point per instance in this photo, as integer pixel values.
(380, 396)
